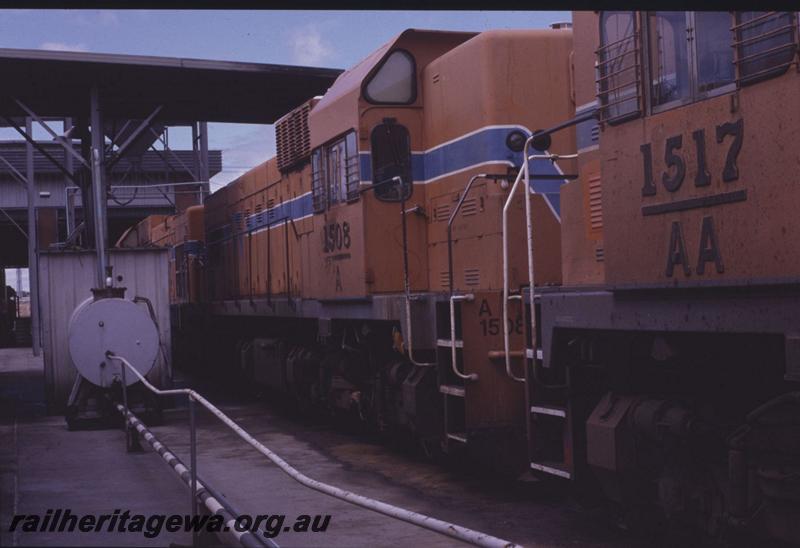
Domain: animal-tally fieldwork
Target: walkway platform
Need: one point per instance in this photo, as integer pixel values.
(44, 466)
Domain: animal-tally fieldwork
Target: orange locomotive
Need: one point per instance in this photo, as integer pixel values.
(332, 266)
(334, 269)
(670, 356)
(184, 234)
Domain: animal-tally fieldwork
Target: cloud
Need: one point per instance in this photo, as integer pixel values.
(60, 46)
(308, 46)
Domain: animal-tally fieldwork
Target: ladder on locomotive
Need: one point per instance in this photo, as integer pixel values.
(452, 382)
(547, 414)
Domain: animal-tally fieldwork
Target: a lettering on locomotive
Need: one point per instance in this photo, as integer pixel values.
(490, 324)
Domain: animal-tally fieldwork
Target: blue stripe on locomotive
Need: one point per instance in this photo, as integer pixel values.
(487, 145)
(291, 209)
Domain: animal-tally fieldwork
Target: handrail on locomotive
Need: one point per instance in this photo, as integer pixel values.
(523, 175)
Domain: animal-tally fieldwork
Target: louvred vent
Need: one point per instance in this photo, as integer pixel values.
(595, 203)
(292, 137)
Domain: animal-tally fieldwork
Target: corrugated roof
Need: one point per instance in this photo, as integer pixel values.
(57, 84)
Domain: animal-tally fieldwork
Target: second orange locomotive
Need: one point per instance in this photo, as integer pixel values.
(332, 268)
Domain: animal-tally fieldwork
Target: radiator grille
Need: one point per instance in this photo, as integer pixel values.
(292, 137)
(441, 213)
(595, 203)
(469, 207)
(472, 276)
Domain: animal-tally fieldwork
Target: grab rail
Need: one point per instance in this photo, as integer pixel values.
(506, 344)
(529, 226)
(523, 175)
(449, 529)
(453, 299)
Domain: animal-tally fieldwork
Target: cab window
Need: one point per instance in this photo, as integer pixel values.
(715, 67)
(391, 162)
(669, 57)
(618, 64)
(334, 172)
(765, 44)
(394, 82)
(690, 56)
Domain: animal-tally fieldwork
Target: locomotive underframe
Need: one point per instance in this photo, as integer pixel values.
(682, 398)
(773, 309)
(402, 396)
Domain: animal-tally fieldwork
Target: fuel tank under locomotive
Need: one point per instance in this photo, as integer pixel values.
(351, 375)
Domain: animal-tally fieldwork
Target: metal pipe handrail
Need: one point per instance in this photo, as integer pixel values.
(757, 20)
(617, 42)
(755, 75)
(406, 282)
(764, 36)
(617, 73)
(524, 174)
(449, 529)
(506, 344)
(771, 51)
(453, 299)
(406, 285)
(452, 218)
(602, 63)
(529, 227)
(213, 501)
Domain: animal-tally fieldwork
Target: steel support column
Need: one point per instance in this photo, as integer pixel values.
(197, 162)
(204, 171)
(70, 198)
(85, 183)
(33, 262)
(98, 183)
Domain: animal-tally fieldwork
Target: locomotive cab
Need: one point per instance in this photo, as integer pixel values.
(675, 368)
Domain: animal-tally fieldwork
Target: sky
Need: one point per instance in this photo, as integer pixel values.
(336, 39)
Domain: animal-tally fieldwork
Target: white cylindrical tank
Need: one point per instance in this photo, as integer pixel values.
(111, 324)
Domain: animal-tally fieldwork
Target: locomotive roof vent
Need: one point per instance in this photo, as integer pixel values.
(561, 25)
(292, 137)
